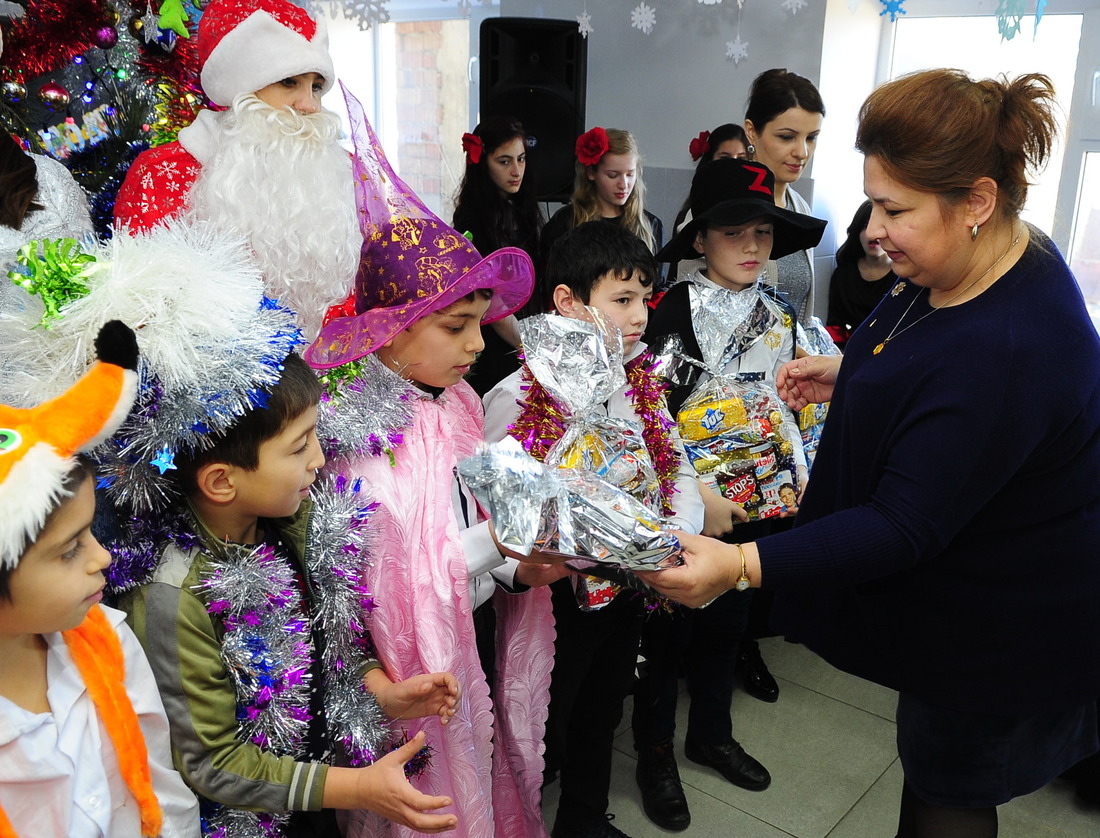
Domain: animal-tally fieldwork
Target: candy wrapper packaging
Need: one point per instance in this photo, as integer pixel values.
(814, 338)
(733, 425)
(566, 511)
(735, 439)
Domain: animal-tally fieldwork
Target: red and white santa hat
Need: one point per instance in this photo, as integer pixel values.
(245, 45)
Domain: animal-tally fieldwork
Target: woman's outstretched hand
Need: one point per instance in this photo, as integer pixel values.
(807, 380)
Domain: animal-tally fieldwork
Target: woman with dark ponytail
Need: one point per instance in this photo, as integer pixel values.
(496, 208)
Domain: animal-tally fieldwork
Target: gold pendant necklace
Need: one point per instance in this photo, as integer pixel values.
(896, 331)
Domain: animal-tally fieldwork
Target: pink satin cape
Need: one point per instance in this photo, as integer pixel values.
(490, 764)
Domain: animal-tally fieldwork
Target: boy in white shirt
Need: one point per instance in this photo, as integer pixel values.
(83, 737)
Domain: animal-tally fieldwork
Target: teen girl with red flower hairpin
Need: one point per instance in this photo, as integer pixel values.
(608, 185)
(496, 208)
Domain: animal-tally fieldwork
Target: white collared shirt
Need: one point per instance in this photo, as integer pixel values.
(59, 775)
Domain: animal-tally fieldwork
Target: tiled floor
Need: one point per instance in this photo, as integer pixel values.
(829, 745)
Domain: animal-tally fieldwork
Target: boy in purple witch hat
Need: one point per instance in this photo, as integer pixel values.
(400, 415)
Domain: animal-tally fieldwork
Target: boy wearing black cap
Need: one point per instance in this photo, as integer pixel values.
(736, 227)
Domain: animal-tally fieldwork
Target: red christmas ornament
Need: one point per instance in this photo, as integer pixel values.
(53, 95)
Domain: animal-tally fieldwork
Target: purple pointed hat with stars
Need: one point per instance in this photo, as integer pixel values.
(412, 263)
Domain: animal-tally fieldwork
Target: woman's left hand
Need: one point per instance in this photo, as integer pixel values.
(710, 569)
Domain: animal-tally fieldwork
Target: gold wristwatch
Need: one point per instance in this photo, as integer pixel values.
(742, 583)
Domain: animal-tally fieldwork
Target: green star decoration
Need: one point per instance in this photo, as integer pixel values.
(173, 16)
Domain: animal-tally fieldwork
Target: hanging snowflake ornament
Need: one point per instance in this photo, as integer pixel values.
(365, 13)
(892, 8)
(643, 17)
(1009, 13)
(737, 50)
(793, 6)
(584, 24)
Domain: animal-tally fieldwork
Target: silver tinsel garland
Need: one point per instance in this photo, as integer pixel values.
(266, 647)
(339, 545)
(365, 408)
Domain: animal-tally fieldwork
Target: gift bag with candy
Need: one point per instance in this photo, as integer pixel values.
(733, 426)
(734, 436)
(579, 364)
(571, 512)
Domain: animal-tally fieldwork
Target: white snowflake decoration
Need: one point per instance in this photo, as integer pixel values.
(737, 50)
(365, 13)
(793, 6)
(643, 17)
(465, 6)
(584, 24)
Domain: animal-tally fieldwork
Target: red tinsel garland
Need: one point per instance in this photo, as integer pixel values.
(542, 421)
(51, 33)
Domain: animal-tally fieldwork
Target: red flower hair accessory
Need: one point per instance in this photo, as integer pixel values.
(592, 146)
(472, 145)
(699, 146)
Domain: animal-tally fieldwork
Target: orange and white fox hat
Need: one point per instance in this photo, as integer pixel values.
(37, 444)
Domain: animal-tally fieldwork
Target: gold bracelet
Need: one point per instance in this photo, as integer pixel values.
(743, 583)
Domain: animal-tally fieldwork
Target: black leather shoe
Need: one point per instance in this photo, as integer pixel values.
(755, 678)
(662, 792)
(602, 828)
(731, 761)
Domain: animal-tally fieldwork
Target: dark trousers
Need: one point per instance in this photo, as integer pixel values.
(595, 653)
(704, 643)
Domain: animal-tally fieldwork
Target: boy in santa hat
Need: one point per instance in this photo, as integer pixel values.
(268, 166)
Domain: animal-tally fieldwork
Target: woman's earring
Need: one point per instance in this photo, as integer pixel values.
(750, 150)
(974, 232)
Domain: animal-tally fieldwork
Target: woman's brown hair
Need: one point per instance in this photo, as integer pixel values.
(939, 131)
(18, 183)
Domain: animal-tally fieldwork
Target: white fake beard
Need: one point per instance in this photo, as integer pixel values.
(281, 180)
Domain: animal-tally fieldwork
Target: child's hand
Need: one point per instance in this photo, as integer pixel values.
(537, 575)
(383, 789)
(435, 694)
(534, 557)
(720, 514)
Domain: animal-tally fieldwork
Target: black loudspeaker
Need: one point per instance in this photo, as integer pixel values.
(536, 70)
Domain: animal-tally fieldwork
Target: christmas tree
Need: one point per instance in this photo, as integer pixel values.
(95, 82)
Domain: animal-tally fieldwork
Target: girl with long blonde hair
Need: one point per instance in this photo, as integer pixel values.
(608, 186)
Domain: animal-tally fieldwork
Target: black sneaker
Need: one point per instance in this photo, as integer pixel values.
(595, 829)
(662, 792)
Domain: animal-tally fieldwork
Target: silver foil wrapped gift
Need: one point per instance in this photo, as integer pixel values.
(513, 487)
(578, 514)
(580, 364)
